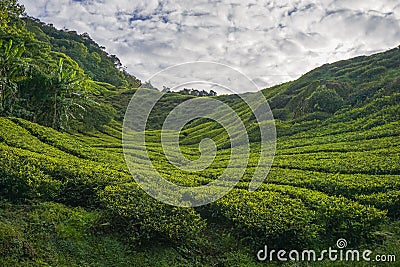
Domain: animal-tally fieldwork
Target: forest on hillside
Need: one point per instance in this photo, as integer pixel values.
(55, 77)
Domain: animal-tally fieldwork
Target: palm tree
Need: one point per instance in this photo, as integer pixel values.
(12, 71)
(67, 91)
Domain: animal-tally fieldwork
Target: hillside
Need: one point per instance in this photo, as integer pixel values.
(67, 197)
(56, 78)
(98, 64)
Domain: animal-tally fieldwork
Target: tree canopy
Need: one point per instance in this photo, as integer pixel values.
(57, 78)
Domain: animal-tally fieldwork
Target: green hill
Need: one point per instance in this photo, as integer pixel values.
(67, 197)
(98, 64)
(56, 77)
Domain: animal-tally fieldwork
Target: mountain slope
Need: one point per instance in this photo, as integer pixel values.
(68, 198)
(331, 178)
(92, 58)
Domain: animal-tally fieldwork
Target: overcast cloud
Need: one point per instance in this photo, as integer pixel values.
(270, 41)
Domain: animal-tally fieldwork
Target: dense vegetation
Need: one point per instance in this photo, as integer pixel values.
(68, 199)
(56, 78)
(97, 64)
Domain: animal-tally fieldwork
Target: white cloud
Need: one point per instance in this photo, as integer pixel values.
(270, 41)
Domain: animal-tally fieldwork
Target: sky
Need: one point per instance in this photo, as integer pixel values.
(269, 41)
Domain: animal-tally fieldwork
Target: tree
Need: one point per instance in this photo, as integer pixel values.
(36, 95)
(148, 85)
(184, 91)
(195, 92)
(203, 93)
(65, 88)
(12, 71)
(324, 99)
(133, 82)
(212, 93)
(62, 101)
(10, 11)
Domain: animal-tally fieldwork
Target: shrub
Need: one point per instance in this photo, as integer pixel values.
(267, 218)
(141, 217)
(325, 100)
(370, 73)
(20, 178)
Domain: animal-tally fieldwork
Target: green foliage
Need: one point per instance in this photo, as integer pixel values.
(135, 212)
(57, 88)
(63, 101)
(74, 202)
(268, 218)
(63, 87)
(388, 200)
(51, 234)
(12, 69)
(22, 179)
(335, 216)
(10, 11)
(99, 65)
(93, 116)
(325, 100)
(370, 73)
(293, 217)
